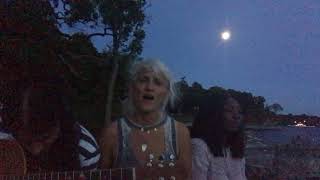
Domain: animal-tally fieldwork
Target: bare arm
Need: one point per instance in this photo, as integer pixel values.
(108, 145)
(184, 144)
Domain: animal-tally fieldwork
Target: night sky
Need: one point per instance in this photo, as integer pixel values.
(273, 52)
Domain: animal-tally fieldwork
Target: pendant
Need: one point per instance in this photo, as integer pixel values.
(151, 156)
(171, 164)
(149, 164)
(144, 147)
(171, 156)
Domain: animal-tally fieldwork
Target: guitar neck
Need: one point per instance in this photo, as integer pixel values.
(108, 174)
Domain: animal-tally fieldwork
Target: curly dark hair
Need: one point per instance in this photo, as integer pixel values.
(209, 126)
(45, 108)
(32, 109)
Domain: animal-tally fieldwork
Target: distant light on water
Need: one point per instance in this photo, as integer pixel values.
(300, 125)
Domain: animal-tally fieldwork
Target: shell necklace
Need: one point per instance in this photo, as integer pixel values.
(147, 128)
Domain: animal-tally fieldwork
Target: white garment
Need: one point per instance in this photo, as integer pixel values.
(5, 135)
(207, 167)
(89, 152)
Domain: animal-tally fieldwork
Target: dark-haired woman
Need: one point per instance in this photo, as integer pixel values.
(218, 140)
(52, 141)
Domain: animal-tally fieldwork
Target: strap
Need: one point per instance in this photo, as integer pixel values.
(120, 140)
(148, 127)
(126, 156)
(174, 137)
(170, 139)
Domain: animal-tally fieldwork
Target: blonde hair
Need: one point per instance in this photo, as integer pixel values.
(159, 68)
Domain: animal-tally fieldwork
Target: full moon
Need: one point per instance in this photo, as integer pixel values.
(225, 35)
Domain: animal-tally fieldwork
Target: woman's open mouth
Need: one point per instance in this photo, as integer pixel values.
(148, 97)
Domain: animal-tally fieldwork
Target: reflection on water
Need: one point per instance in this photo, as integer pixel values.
(285, 135)
(283, 152)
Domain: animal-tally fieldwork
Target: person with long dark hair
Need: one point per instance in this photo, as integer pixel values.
(50, 137)
(218, 140)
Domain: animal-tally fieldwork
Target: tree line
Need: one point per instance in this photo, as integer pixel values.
(255, 108)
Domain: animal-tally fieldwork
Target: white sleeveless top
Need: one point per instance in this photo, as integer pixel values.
(205, 166)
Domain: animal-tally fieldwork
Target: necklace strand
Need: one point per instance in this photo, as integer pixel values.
(147, 127)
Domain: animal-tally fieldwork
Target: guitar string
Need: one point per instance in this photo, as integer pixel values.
(38, 175)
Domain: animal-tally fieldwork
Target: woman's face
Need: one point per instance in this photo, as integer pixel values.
(232, 114)
(149, 92)
(35, 144)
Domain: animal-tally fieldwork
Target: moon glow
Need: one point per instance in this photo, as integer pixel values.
(225, 35)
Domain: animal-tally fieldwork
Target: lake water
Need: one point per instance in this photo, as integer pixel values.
(265, 162)
(285, 135)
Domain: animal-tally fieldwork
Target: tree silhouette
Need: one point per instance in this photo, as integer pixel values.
(276, 108)
(33, 37)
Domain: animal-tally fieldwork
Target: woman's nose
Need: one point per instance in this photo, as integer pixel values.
(237, 117)
(149, 86)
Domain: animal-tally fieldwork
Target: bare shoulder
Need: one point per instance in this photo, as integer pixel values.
(184, 150)
(182, 128)
(110, 133)
(108, 145)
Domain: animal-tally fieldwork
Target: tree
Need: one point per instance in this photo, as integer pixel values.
(216, 89)
(39, 40)
(182, 88)
(275, 108)
(123, 20)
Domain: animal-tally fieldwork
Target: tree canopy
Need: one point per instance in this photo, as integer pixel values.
(35, 45)
(254, 108)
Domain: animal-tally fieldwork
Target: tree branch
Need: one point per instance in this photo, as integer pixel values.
(72, 70)
(100, 34)
(100, 61)
(84, 57)
(65, 35)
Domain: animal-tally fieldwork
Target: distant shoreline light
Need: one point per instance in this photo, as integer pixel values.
(300, 124)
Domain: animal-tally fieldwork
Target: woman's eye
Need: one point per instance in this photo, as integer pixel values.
(143, 80)
(158, 82)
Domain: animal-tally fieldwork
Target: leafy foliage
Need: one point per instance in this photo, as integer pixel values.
(253, 107)
(35, 46)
